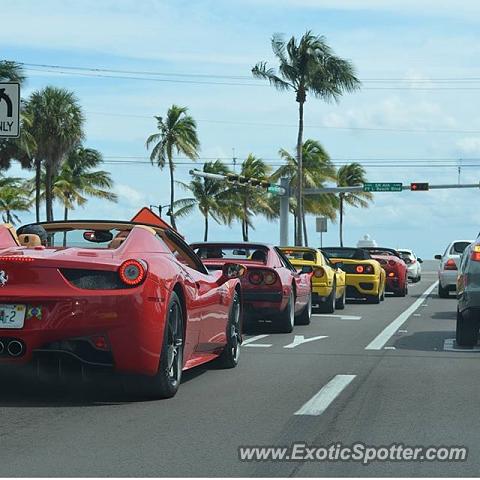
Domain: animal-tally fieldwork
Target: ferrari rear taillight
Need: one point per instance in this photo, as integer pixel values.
(391, 274)
(359, 268)
(255, 278)
(318, 272)
(132, 272)
(450, 264)
(270, 278)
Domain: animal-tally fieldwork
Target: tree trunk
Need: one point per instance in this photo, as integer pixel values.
(305, 230)
(172, 193)
(298, 236)
(48, 191)
(38, 172)
(9, 217)
(341, 220)
(205, 235)
(294, 226)
(65, 217)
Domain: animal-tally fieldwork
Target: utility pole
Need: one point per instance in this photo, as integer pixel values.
(234, 158)
(284, 211)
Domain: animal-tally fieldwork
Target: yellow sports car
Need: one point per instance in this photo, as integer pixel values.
(365, 276)
(328, 281)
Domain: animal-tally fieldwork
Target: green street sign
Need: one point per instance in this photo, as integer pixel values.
(382, 187)
(276, 190)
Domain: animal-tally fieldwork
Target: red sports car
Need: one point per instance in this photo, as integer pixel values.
(272, 287)
(395, 269)
(124, 295)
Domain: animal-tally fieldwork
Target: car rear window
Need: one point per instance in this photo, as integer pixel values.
(459, 247)
(240, 252)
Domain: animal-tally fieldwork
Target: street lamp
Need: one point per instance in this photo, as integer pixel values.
(160, 209)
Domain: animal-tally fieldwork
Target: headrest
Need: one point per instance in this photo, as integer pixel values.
(29, 240)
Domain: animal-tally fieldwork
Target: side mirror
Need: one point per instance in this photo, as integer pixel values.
(438, 257)
(419, 260)
(338, 265)
(306, 269)
(232, 270)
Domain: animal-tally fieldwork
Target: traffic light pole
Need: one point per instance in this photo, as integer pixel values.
(359, 188)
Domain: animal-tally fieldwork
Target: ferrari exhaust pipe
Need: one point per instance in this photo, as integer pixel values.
(2, 347)
(15, 348)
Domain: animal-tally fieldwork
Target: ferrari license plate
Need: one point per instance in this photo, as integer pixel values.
(12, 316)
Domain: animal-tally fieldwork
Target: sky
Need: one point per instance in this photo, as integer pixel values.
(416, 117)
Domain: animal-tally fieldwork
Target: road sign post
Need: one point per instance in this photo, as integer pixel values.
(321, 224)
(9, 110)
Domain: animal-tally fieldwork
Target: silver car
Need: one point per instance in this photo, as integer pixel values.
(448, 268)
(414, 268)
(468, 293)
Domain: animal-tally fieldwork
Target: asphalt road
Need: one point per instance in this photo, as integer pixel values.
(409, 386)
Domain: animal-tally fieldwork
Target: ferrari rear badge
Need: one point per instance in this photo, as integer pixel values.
(3, 278)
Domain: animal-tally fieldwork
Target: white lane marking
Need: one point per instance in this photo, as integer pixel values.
(325, 396)
(248, 342)
(341, 317)
(384, 336)
(449, 345)
(300, 339)
(417, 314)
(389, 348)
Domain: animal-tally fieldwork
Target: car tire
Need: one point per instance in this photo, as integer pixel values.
(382, 296)
(443, 292)
(374, 299)
(286, 319)
(165, 383)
(340, 303)
(329, 305)
(418, 279)
(467, 330)
(306, 315)
(229, 356)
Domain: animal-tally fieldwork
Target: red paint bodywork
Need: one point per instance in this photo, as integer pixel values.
(264, 299)
(396, 272)
(131, 319)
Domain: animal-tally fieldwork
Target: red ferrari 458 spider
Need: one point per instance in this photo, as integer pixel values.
(124, 295)
(395, 269)
(272, 287)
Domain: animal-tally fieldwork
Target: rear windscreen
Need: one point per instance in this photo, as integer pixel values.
(459, 247)
(241, 252)
(350, 253)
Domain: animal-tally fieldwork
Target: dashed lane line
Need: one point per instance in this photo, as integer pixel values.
(325, 396)
(341, 317)
(384, 336)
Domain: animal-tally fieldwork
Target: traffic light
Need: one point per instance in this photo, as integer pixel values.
(418, 186)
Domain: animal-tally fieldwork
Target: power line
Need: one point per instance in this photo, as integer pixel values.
(234, 77)
(293, 125)
(95, 73)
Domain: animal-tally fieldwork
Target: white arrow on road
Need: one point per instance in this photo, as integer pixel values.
(300, 339)
(341, 317)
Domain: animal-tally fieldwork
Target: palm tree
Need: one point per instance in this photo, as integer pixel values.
(78, 180)
(14, 197)
(57, 127)
(210, 196)
(351, 175)
(176, 132)
(317, 169)
(247, 200)
(308, 65)
(11, 72)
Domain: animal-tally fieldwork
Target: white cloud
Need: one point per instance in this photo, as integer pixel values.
(469, 145)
